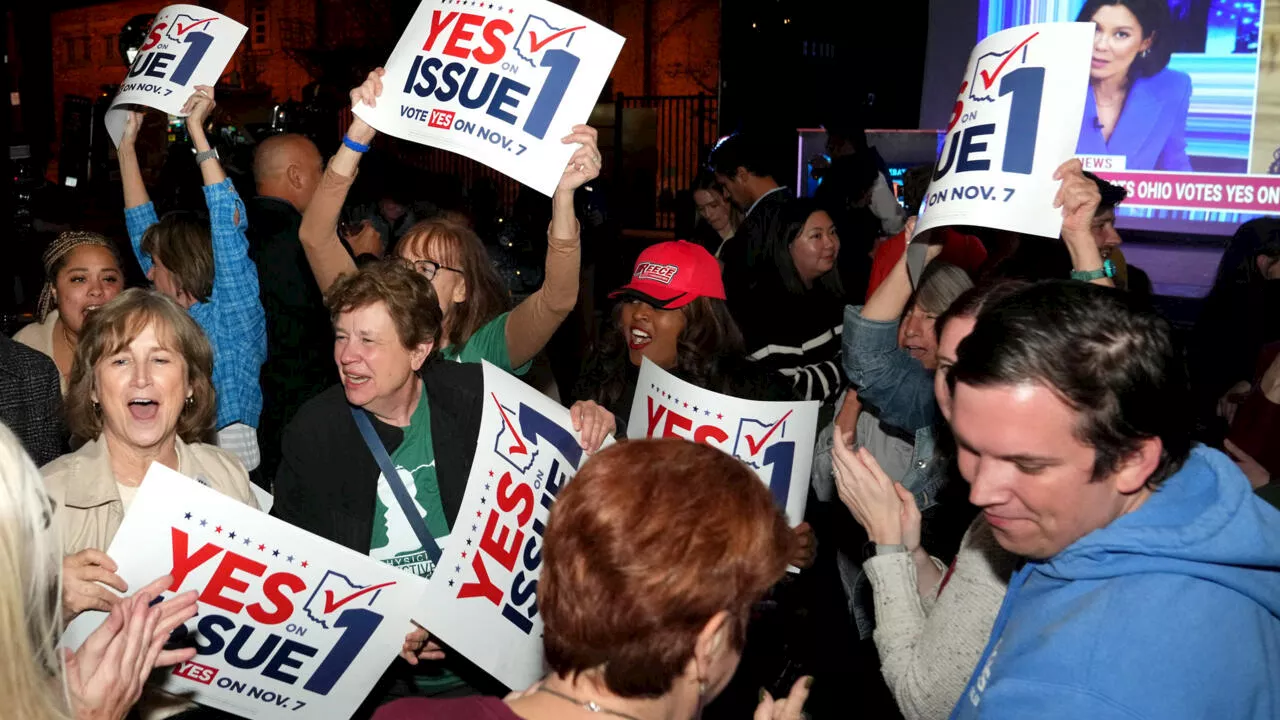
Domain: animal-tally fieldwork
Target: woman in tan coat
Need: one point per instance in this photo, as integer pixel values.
(139, 393)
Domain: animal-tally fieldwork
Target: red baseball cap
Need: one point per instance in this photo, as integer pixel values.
(673, 274)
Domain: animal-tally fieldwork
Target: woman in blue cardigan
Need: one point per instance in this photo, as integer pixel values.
(1136, 106)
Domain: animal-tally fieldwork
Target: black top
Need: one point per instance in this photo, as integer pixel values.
(31, 400)
(743, 256)
(327, 482)
(299, 333)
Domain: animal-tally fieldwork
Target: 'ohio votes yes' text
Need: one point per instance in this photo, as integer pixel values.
(474, 39)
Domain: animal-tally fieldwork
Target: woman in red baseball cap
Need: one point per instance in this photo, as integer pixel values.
(673, 312)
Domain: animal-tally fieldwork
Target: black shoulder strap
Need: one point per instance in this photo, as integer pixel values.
(393, 479)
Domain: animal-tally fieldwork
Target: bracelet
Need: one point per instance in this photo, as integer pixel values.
(358, 147)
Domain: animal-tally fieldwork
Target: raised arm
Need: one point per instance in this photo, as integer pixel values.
(198, 107)
(1079, 198)
(139, 213)
(319, 230)
(534, 321)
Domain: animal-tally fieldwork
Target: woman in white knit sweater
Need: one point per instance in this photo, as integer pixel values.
(932, 623)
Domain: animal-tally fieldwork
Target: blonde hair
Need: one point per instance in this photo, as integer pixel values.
(30, 588)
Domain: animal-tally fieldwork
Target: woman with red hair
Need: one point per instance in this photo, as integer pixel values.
(654, 555)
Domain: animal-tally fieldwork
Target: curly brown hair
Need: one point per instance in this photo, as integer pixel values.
(111, 329)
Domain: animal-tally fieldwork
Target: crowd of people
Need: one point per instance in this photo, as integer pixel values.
(1030, 496)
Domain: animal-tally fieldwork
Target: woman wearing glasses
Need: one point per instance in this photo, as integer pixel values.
(473, 298)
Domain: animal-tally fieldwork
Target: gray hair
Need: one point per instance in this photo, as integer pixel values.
(939, 286)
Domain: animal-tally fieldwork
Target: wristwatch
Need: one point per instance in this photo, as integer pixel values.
(1108, 270)
(206, 155)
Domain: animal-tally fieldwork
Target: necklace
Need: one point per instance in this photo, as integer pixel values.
(589, 706)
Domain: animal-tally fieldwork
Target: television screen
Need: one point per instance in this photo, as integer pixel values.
(1183, 105)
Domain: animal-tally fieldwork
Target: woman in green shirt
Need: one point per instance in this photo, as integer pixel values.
(475, 302)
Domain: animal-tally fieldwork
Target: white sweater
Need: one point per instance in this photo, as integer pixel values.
(930, 646)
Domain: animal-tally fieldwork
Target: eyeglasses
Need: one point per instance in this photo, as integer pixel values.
(429, 268)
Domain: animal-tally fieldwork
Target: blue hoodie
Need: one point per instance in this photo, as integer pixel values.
(1171, 611)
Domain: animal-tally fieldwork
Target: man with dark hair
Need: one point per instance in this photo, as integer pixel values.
(1104, 228)
(1152, 582)
(742, 165)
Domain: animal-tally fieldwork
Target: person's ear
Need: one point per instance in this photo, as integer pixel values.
(1147, 43)
(1266, 265)
(741, 175)
(711, 646)
(460, 292)
(1135, 469)
(294, 177)
(419, 354)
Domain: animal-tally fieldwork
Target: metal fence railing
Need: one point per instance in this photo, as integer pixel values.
(659, 145)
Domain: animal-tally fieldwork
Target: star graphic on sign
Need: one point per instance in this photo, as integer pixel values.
(706, 413)
(477, 513)
(247, 540)
(457, 568)
(695, 408)
(232, 535)
(451, 583)
(289, 558)
(473, 528)
(187, 516)
(304, 563)
(464, 553)
(275, 553)
(486, 486)
(468, 541)
(719, 416)
(490, 473)
(677, 400)
(262, 547)
(686, 404)
(218, 529)
(481, 501)
(203, 523)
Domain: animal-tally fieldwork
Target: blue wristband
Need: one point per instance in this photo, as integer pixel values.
(358, 147)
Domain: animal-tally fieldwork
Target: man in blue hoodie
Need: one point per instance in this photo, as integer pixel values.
(1152, 582)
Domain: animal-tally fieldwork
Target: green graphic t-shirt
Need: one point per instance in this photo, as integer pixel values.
(488, 343)
(394, 541)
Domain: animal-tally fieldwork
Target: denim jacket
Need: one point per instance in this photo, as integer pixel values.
(900, 391)
(886, 376)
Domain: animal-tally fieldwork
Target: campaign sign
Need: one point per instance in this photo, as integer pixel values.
(498, 82)
(187, 45)
(290, 625)
(1015, 120)
(775, 439)
(483, 598)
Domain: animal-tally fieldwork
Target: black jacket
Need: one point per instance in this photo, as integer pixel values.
(31, 401)
(327, 482)
(299, 333)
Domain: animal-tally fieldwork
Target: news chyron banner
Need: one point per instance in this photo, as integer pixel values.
(499, 82)
(290, 625)
(775, 439)
(186, 46)
(483, 597)
(1015, 120)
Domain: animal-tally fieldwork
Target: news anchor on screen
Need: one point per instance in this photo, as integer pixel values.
(1136, 106)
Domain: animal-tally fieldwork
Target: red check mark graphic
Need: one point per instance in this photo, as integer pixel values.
(178, 26)
(535, 46)
(330, 605)
(519, 448)
(988, 79)
(754, 446)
